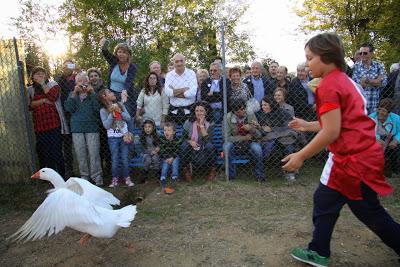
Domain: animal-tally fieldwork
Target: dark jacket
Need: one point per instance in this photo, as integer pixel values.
(169, 148)
(269, 85)
(388, 90)
(298, 98)
(217, 96)
(67, 86)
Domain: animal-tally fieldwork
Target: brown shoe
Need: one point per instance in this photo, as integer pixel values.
(211, 177)
(188, 174)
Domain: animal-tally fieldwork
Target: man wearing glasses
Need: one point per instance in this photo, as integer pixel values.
(258, 84)
(371, 75)
(180, 87)
(212, 90)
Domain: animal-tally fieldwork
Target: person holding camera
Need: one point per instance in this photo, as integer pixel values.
(84, 108)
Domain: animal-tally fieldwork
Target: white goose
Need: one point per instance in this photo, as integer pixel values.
(76, 204)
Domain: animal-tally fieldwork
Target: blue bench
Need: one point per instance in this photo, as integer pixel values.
(218, 138)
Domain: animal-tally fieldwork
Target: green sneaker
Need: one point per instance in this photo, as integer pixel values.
(309, 256)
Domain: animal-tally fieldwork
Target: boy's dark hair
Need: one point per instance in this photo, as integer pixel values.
(170, 124)
(156, 138)
(329, 47)
(369, 45)
(387, 104)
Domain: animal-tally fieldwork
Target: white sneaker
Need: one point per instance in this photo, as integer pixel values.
(128, 182)
(114, 182)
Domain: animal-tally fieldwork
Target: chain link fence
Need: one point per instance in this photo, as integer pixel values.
(181, 124)
(16, 157)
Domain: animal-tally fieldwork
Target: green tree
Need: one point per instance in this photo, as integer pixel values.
(35, 26)
(155, 29)
(356, 22)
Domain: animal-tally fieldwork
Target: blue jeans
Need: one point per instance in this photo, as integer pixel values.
(165, 168)
(268, 147)
(255, 151)
(119, 154)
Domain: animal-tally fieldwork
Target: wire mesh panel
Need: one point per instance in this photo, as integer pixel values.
(183, 124)
(15, 156)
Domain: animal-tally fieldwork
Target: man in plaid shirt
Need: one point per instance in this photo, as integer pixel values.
(371, 75)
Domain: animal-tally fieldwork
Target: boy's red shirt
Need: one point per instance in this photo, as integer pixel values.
(357, 157)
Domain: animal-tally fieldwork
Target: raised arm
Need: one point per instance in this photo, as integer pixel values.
(110, 58)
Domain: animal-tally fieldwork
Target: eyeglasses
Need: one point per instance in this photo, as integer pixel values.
(364, 53)
(213, 70)
(178, 60)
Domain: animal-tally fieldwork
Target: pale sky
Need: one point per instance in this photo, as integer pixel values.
(272, 26)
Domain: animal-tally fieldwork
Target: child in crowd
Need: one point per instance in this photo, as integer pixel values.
(115, 118)
(151, 147)
(353, 173)
(169, 149)
(84, 108)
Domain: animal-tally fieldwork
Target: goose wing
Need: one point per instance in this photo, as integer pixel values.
(62, 208)
(94, 194)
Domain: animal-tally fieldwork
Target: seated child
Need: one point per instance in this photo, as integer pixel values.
(150, 142)
(169, 149)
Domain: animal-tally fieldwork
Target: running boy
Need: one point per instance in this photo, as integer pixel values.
(353, 173)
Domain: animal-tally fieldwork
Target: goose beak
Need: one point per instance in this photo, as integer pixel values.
(36, 175)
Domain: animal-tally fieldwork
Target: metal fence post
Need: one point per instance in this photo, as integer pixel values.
(24, 102)
(225, 95)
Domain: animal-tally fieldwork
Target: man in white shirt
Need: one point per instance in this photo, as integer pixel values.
(180, 87)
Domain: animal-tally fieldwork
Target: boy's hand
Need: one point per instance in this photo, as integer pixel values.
(169, 160)
(298, 124)
(293, 162)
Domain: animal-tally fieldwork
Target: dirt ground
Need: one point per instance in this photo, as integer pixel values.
(239, 223)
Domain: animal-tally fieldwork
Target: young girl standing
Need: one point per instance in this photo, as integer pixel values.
(353, 173)
(151, 147)
(115, 119)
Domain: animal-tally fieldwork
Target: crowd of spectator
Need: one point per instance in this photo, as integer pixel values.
(79, 111)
